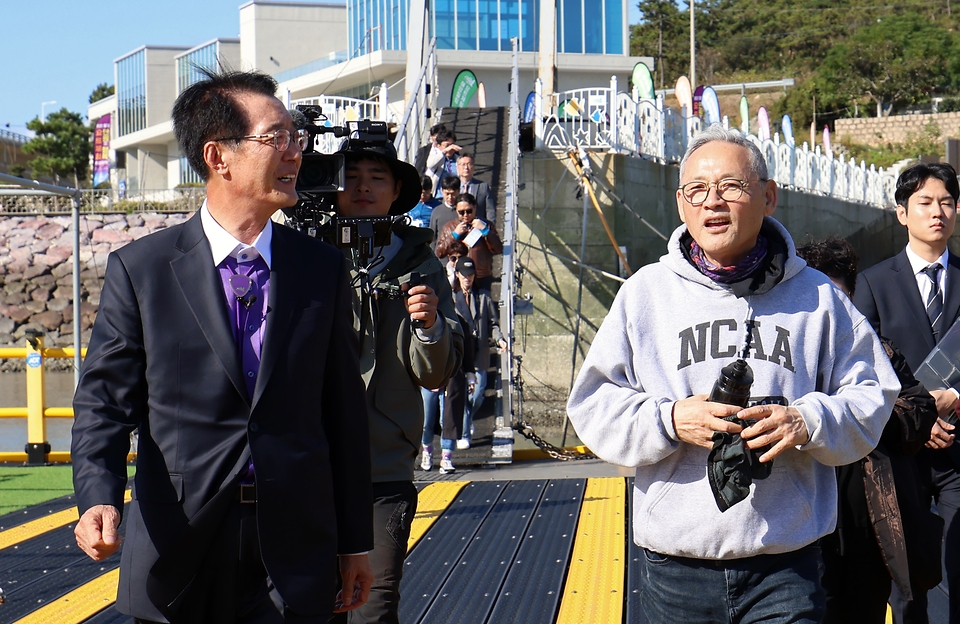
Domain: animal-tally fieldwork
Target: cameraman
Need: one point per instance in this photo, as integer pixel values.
(396, 358)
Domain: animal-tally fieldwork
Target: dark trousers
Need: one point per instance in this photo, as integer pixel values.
(232, 586)
(855, 578)
(944, 490)
(394, 505)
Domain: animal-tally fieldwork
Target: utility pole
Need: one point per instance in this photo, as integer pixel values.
(660, 54)
(693, 49)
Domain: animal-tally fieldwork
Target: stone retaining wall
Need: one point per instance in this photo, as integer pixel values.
(36, 272)
(877, 131)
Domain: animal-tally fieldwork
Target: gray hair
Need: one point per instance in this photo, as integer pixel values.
(716, 132)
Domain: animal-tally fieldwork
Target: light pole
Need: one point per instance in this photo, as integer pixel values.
(693, 49)
(43, 106)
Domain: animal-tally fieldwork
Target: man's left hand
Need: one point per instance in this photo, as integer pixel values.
(478, 224)
(781, 426)
(422, 304)
(946, 401)
(357, 576)
(941, 435)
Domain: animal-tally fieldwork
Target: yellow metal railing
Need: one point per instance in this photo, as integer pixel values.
(37, 451)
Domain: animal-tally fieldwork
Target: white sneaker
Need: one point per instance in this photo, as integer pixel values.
(463, 444)
(426, 458)
(446, 465)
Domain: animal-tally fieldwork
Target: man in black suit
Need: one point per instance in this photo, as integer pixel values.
(227, 343)
(486, 204)
(912, 299)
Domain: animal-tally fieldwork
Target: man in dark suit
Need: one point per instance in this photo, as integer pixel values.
(912, 299)
(486, 203)
(227, 343)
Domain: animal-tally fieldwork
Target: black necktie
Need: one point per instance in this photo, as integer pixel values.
(934, 299)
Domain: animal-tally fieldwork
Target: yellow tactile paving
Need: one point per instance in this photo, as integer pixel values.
(31, 529)
(594, 588)
(80, 604)
(432, 501)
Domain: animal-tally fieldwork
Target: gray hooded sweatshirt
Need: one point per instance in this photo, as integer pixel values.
(669, 332)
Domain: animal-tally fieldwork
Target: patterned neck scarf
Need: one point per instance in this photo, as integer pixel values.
(729, 274)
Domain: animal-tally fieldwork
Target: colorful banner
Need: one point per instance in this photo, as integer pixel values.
(684, 95)
(697, 98)
(530, 108)
(465, 86)
(710, 105)
(744, 115)
(786, 126)
(763, 124)
(643, 80)
(101, 150)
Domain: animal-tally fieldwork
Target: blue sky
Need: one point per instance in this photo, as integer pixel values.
(60, 50)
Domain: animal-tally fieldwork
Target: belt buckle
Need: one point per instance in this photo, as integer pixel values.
(248, 493)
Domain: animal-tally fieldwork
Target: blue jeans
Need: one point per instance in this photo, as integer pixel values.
(432, 408)
(474, 401)
(765, 588)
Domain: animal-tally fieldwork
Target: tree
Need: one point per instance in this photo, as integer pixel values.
(103, 90)
(61, 145)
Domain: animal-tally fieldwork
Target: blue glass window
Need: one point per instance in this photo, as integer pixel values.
(593, 30)
(444, 25)
(489, 24)
(570, 33)
(614, 19)
(509, 22)
(530, 25)
(132, 93)
(466, 24)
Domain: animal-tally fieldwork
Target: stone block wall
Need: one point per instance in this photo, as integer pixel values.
(36, 272)
(876, 131)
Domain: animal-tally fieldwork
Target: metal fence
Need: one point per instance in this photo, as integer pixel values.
(604, 118)
(18, 201)
(339, 110)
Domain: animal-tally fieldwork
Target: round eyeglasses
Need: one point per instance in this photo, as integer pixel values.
(280, 139)
(728, 189)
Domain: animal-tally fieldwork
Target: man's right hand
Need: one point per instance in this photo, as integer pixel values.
(941, 435)
(96, 532)
(696, 420)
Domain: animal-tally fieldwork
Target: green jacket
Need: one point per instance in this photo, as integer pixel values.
(395, 363)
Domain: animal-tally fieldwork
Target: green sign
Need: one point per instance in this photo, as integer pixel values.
(643, 80)
(464, 88)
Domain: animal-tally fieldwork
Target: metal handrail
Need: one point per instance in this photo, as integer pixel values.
(415, 125)
(21, 201)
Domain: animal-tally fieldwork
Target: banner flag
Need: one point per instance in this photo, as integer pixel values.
(101, 150)
(642, 79)
(465, 86)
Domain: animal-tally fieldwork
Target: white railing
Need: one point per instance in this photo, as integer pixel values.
(339, 110)
(603, 118)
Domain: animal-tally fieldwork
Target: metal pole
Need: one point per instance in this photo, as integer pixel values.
(693, 48)
(576, 328)
(76, 293)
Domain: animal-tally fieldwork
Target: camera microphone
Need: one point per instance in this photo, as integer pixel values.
(247, 301)
(299, 119)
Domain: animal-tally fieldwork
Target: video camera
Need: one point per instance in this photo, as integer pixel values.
(323, 175)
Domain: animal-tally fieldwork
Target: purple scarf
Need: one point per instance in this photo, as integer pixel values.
(729, 274)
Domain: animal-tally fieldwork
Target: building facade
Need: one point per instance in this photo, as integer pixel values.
(350, 49)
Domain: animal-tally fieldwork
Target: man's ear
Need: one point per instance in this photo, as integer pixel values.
(769, 197)
(902, 215)
(680, 206)
(213, 156)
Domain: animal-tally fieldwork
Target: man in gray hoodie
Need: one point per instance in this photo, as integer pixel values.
(731, 286)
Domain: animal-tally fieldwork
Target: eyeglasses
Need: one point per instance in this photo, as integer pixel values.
(465, 212)
(729, 189)
(280, 139)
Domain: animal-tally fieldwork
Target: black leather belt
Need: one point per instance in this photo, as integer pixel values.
(248, 493)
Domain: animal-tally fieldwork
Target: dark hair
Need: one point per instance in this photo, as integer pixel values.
(465, 155)
(209, 109)
(913, 178)
(833, 256)
(426, 184)
(445, 135)
(467, 198)
(450, 183)
(437, 128)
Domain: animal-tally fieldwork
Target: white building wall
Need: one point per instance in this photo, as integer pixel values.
(161, 83)
(278, 36)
